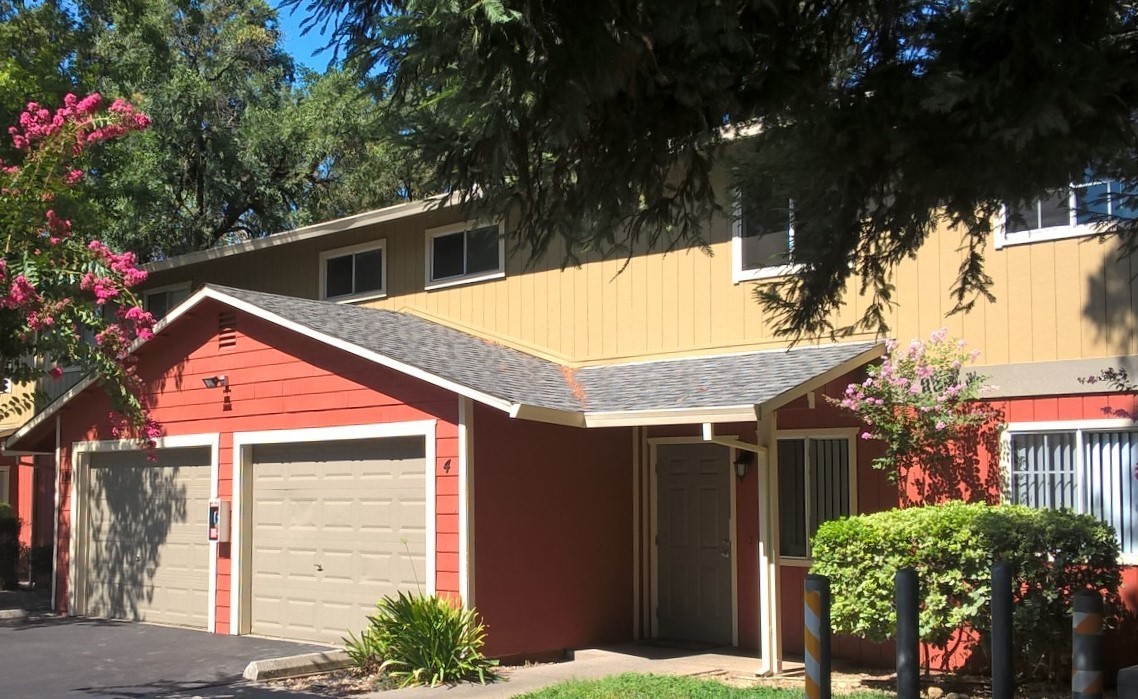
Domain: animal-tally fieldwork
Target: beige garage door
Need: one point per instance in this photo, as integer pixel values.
(336, 525)
(147, 552)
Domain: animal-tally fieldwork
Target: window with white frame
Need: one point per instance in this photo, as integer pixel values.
(161, 300)
(762, 242)
(464, 252)
(815, 485)
(1066, 213)
(5, 482)
(1089, 469)
(354, 273)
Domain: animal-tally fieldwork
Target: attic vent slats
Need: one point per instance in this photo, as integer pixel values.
(226, 329)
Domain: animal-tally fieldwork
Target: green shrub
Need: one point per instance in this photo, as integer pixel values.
(422, 639)
(952, 547)
(10, 548)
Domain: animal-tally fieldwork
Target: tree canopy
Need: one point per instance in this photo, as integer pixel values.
(242, 145)
(65, 299)
(600, 122)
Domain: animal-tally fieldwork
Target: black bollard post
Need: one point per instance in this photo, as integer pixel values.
(816, 597)
(1003, 669)
(1086, 647)
(908, 634)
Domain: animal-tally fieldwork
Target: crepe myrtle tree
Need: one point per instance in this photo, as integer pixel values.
(66, 299)
(926, 408)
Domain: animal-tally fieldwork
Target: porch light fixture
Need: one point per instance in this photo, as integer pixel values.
(742, 462)
(216, 381)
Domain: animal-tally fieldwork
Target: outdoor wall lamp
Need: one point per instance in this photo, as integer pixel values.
(216, 381)
(742, 462)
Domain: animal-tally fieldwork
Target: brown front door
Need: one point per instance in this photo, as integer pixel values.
(693, 542)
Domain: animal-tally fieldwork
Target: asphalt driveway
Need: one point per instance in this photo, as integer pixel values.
(97, 658)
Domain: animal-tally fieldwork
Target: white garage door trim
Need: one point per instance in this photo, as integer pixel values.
(242, 471)
(80, 466)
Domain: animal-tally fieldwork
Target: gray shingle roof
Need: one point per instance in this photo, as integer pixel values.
(508, 374)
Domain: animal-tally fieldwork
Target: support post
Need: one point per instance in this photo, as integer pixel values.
(907, 600)
(817, 609)
(1086, 646)
(1003, 669)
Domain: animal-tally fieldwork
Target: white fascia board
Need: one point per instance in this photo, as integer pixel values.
(672, 416)
(553, 416)
(257, 311)
(381, 359)
(819, 380)
(316, 230)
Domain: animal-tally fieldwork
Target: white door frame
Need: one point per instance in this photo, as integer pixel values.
(80, 511)
(243, 443)
(653, 506)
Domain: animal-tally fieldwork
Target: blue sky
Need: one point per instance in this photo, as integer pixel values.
(302, 47)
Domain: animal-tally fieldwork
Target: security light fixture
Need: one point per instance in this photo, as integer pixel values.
(742, 462)
(216, 381)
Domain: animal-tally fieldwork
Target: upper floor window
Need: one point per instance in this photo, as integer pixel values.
(1065, 213)
(464, 252)
(762, 242)
(1089, 468)
(815, 485)
(160, 301)
(353, 273)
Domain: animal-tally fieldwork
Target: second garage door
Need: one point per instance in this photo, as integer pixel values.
(147, 556)
(335, 526)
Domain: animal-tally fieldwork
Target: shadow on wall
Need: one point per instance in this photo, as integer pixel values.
(970, 471)
(1109, 299)
(134, 505)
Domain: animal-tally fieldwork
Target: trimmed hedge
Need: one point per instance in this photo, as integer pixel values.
(952, 547)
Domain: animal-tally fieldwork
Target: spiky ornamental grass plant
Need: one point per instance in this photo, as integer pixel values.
(422, 639)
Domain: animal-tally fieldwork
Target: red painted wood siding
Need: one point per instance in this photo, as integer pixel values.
(552, 535)
(278, 379)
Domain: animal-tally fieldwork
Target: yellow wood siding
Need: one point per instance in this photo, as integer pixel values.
(1054, 300)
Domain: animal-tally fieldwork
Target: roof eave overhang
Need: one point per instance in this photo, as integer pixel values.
(670, 416)
(769, 406)
(210, 293)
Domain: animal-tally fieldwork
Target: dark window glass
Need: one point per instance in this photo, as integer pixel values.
(766, 237)
(369, 271)
(804, 504)
(482, 250)
(158, 304)
(447, 256)
(1055, 209)
(338, 276)
(792, 497)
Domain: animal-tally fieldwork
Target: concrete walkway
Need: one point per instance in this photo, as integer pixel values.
(594, 664)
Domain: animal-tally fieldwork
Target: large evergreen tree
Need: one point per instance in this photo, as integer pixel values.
(599, 122)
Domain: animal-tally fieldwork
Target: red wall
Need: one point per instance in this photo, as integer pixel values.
(552, 535)
(22, 493)
(278, 379)
(874, 493)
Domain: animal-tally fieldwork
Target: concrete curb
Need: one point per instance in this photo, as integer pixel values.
(297, 665)
(11, 617)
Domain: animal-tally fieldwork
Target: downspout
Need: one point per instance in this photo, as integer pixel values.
(55, 524)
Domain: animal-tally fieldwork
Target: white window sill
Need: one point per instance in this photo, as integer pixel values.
(458, 281)
(750, 275)
(354, 298)
(1043, 235)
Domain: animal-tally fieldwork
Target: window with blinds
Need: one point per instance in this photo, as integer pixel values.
(1089, 471)
(814, 487)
